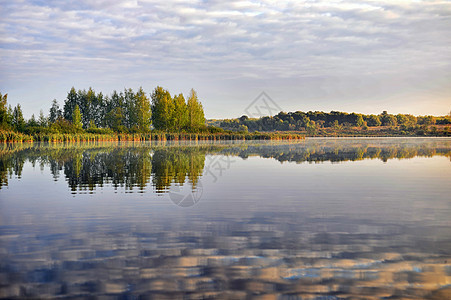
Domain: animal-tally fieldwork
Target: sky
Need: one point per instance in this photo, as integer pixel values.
(353, 56)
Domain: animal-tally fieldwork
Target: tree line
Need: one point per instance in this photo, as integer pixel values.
(126, 111)
(312, 120)
(132, 112)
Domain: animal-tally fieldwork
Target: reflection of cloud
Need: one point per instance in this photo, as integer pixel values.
(266, 40)
(222, 257)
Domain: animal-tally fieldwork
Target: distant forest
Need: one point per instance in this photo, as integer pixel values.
(313, 121)
(126, 111)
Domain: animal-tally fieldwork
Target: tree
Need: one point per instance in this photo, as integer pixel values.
(311, 128)
(243, 118)
(115, 111)
(115, 119)
(42, 119)
(76, 118)
(162, 108)
(180, 115)
(243, 128)
(131, 114)
(92, 125)
(18, 120)
(32, 122)
(196, 118)
(10, 116)
(143, 111)
(55, 112)
(70, 103)
(100, 110)
(3, 111)
(388, 119)
(406, 120)
(426, 120)
(356, 119)
(88, 106)
(373, 120)
(336, 125)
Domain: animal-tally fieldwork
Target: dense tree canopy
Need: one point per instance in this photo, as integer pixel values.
(313, 120)
(174, 114)
(133, 112)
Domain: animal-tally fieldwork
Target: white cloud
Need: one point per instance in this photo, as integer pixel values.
(247, 42)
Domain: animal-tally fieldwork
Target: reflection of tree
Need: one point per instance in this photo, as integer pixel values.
(341, 151)
(129, 167)
(134, 165)
(175, 166)
(88, 166)
(10, 165)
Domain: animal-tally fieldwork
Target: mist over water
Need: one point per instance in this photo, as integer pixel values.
(343, 218)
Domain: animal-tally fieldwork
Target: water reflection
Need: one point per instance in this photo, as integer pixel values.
(134, 165)
(87, 166)
(311, 231)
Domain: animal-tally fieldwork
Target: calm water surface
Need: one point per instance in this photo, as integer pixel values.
(318, 219)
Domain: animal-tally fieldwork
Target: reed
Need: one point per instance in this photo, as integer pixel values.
(15, 137)
(12, 136)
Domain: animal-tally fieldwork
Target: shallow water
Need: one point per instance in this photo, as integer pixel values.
(318, 219)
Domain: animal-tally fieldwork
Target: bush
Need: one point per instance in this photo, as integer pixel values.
(213, 129)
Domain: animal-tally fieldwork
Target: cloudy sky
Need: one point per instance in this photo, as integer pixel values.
(362, 56)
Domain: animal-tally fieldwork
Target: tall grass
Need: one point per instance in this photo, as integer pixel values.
(11, 136)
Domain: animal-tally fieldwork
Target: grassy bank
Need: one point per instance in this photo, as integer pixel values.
(12, 136)
(379, 131)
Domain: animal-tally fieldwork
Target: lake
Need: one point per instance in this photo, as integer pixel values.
(324, 218)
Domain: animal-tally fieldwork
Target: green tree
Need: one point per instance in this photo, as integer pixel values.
(311, 128)
(89, 107)
(92, 125)
(10, 116)
(18, 120)
(55, 112)
(32, 122)
(42, 120)
(426, 120)
(243, 128)
(406, 120)
(180, 115)
(143, 111)
(77, 118)
(162, 108)
(336, 125)
(115, 119)
(3, 111)
(388, 119)
(358, 119)
(97, 107)
(70, 103)
(130, 111)
(196, 118)
(115, 111)
(373, 120)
